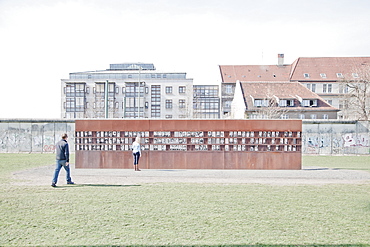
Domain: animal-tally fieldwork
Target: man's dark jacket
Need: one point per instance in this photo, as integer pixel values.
(62, 150)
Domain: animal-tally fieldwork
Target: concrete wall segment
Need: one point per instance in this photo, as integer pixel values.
(321, 137)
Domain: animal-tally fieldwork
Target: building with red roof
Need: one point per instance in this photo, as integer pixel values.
(324, 77)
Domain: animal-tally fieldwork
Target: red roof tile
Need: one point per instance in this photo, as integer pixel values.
(282, 90)
(330, 66)
(232, 73)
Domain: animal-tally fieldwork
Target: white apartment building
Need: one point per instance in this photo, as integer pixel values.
(134, 90)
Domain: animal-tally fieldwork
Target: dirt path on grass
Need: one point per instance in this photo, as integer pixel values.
(306, 176)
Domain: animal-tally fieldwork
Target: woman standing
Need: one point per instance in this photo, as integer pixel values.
(136, 152)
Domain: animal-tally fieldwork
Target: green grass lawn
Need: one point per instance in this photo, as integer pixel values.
(175, 214)
(339, 162)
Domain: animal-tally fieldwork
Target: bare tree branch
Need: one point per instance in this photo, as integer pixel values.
(356, 94)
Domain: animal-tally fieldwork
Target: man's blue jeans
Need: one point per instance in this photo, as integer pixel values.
(59, 165)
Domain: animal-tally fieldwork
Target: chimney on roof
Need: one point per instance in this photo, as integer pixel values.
(280, 59)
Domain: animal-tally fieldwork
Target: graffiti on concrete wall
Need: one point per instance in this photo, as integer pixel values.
(49, 148)
(315, 143)
(353, 140)
(41, 137)
(32, 137)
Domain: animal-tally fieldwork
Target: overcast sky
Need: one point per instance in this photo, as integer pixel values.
(42, 41)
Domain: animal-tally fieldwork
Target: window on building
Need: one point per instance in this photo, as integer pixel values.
(309, 102)
(99, 104)
(130, 105)
(80, 89)
(182, 89)
(227, 104)
(156, 101)
(261, 102)
(306, 75)
(330, 102)
(74, 90)
(257, 102)
(323, 75)
(228, 89)
(110, 104)
(153, 75)
(168, 103)
(354, 75)
(308, 86)
(343, 104)
(156, 93)
(301, 116)
(70, 103)
(330, 87)
(326, 88)
(283, 102)
(132, 90)
(284, 116)
(340, 75)
(168, 116)
(181, 103)
(313, 116)
(325, 116)
(156, 111)
(168, 90)
(313, 87)
(99, 88)
(343, 88)
(80, 102)
(205, 91)
(286, 102)
(111, 89)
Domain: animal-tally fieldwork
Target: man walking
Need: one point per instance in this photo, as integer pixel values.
(62, 160)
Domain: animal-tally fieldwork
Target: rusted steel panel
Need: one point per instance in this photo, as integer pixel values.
(87, 159)
(194, 161)
(216, 160)
(190, 144)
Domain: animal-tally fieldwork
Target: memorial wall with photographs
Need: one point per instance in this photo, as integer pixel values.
(226, 141)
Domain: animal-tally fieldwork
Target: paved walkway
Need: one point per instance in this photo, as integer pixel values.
(306, 176)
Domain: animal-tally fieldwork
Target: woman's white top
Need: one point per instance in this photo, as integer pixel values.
(136, 147)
